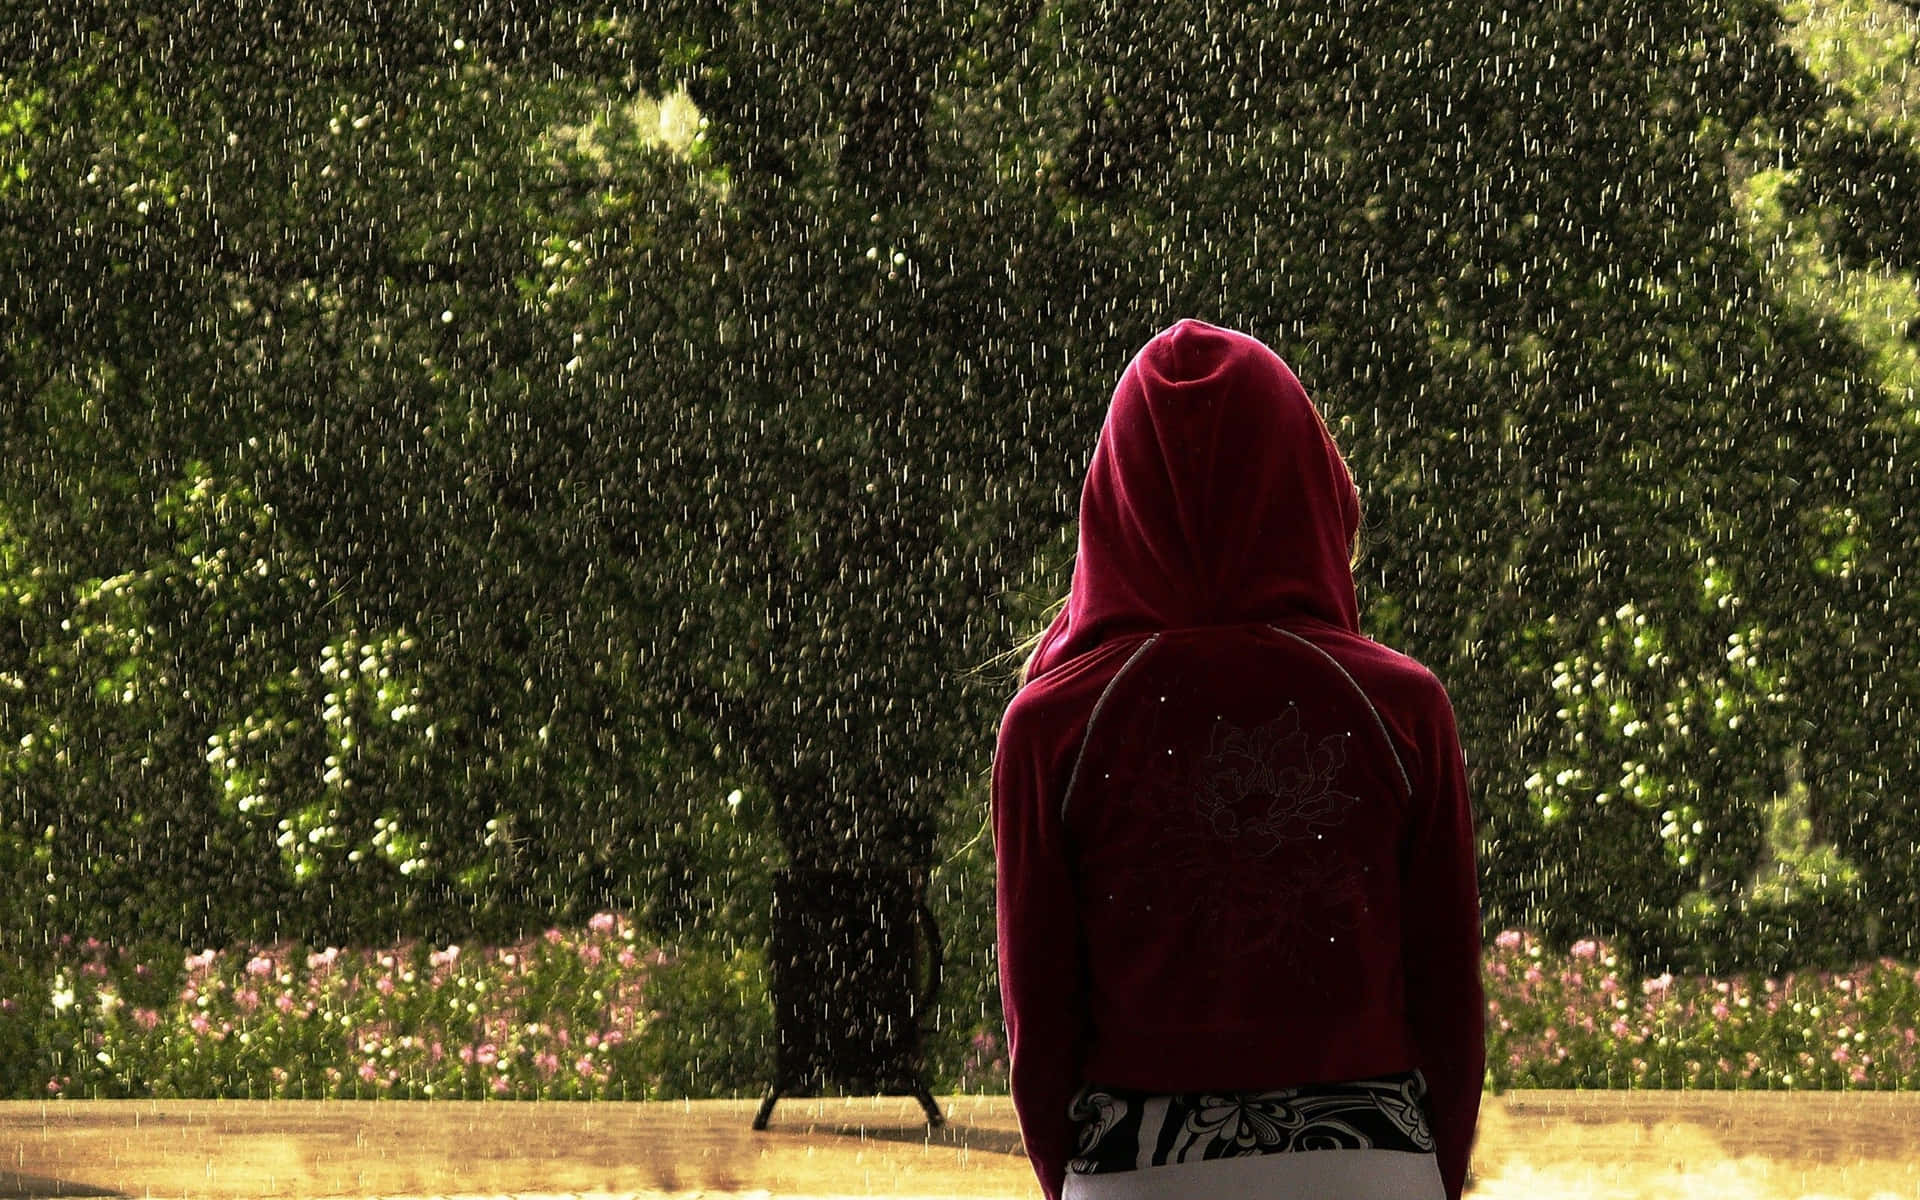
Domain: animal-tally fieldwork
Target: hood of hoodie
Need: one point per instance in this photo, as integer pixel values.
(1216, 496)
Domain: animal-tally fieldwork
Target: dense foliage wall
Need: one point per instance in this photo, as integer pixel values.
(470, 463)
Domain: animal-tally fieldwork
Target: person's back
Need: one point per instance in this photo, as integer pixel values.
(1234, 841)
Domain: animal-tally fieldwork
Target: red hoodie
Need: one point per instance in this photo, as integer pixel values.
(1235, 848)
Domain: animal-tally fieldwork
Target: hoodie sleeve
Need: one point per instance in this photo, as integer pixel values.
(1042, 981)
(1441, 942)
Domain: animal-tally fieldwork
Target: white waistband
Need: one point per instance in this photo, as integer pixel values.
(1349, 1174)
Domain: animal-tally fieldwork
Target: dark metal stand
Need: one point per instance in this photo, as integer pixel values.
(935, 1118)
(848, 943)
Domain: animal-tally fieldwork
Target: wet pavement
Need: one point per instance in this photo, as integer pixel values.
(1532, 1144)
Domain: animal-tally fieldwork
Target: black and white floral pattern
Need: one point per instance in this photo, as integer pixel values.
(1124, 1130)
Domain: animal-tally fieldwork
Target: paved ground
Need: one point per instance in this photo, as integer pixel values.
(1532, 1145)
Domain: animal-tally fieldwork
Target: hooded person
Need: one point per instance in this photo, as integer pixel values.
(1238, 913)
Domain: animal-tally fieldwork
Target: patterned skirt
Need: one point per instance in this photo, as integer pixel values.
(1369, 1138)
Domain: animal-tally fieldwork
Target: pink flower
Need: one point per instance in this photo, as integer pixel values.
(385, 985)
(1840, 1054)
(591, 953)
(441, 958)
(1513, 1060)
(583, 1065)
(259, 964)
(1909, 1034)
(1533, 975)
(145, 1018)
(601, 923)
(435, 1053)
(500, 1085)
(1620, 1028)
(625, 958)
(1610, 985)
(548, 1062)
(53, 1085)
(552, 936)
(1859, 1075)
(247, 999)
(1658, 985)
(199, 1023)
(368, 1071)
(283, 1002)
(1509, 939)
(487, 1055)
(1720, 1011)
(1585, 948)
(1499, 970)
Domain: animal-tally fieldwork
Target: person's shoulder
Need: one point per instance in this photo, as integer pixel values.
(1071, 689)
(1390, 677)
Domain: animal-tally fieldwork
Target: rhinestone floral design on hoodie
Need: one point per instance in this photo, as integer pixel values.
(1266, 787)
(1269, 797)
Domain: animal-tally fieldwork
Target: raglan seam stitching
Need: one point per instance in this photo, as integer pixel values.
(1406, 780)
(1073, 779)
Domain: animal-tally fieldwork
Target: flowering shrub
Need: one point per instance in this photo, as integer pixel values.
(554, 1017)
(984, 1069)
(591, 1016)
(1574, 1021)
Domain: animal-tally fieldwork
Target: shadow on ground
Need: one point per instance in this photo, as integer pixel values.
(15, 1186)
(992, 1141)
